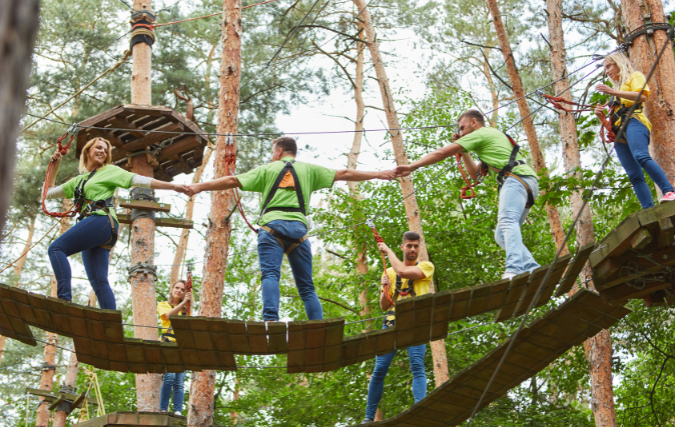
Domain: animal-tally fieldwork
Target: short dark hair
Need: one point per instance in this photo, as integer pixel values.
(286, 143)
(473, 114)
(411, 235)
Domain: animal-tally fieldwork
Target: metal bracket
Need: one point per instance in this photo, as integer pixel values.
(370, 223)
(142, 267)
(140, 193)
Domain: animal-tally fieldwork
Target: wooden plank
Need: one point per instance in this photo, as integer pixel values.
(666, 233)
(424, 305)
(160, 222)
(277, 337)
(386, 341)
(404, 323)
(617, 241)
(625, 271)
(641, 239)
(238, 337)
(257, 337)
(517, 291)
(619, 295)
(145, 205)
(575, 268)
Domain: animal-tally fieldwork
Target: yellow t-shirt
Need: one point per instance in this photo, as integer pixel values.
(420, 286)
(163, 308)
(634, 84)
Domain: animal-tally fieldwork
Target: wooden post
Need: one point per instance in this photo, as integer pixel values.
(528, 123)
(412, 210)
(144, 300)
(70, 381)
(19, 20)
(660, 107)
(599, 348)
(201, 405)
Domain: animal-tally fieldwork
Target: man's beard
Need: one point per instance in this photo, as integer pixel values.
(411, 257)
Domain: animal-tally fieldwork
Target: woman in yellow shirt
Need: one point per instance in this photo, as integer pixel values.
(633, 150)
(175, 306)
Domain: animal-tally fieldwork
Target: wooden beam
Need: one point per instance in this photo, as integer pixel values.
(160, 222)
(145, 205)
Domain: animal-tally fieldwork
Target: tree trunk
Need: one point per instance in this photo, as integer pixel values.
(144, 300)
(19, 20)
(528, 124)
(493, 89)
(660, 107)
(599, 348)
(49, 365)
(412, 210)
(189, 211)
(201, 406)
(69, 382)
(18, 267)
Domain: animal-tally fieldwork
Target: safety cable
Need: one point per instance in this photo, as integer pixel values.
(571, 229)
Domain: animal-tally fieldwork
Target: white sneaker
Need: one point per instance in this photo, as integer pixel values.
(508, 276)
(178, 414)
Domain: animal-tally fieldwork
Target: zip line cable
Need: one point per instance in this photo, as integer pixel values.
(571, 229)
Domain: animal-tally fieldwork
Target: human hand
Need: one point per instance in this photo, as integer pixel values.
(56, 156)
(192, 189)
(383, 247)
(188, 297)
(604, 89)
(599, 110)
(403, 170)
(385, 280)
(387, 175)
(455, 137)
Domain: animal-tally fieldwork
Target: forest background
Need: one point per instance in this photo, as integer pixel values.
(442, 59)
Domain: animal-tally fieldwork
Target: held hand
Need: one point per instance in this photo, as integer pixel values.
(188, 297)
(455, 137)
(599, 110)
(388, 175)
(56, 156)
(192, 189)
(385, 281)
(604, 89)
(403, 170)
(383, 247)
(179, 188)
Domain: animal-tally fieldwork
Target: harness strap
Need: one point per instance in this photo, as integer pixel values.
(284, 238)
(298, 191)
(91, 206)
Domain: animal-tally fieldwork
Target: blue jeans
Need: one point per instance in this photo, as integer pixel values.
(271, 253)
(511, 216)
(382, 363)
(634, 157)
(86, 237)
(176, 383)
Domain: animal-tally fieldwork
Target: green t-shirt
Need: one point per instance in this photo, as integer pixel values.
(261, 179)
(101, 186)
(493, 148)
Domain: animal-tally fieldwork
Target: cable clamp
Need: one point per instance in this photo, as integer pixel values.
(370, 223)
(142, 267)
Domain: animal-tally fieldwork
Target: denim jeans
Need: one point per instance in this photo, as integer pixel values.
(382, 363)
(271, 253)
(634, 157)
(176, 383)
(86, 237)
(511, 216)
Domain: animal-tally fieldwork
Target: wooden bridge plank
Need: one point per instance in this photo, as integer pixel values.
(575, 268)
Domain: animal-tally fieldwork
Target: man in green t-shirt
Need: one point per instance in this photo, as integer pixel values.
(518, 187)
(286, 186)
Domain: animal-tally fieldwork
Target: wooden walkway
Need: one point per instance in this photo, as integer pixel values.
(539, 344)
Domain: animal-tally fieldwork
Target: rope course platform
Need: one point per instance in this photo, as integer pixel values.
(539, 344)
(131, 129)
(134, 419)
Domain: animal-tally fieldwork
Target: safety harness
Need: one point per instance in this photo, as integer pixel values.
(619, 113)
(91, 206)
(399, 294)
(502, 174)
(283, 181)
(164, 337)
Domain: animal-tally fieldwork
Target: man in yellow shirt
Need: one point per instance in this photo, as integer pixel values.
(405, 279)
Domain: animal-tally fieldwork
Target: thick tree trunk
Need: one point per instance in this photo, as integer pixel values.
(144, 300)
(201, 406)
(412, 210)
(49, 365)
(189, 211)
(528, 123)
(599, 348)
(660, 106)
(19, 20)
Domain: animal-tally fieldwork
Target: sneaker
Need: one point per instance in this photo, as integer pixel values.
(367, 420)
(668, 197)
(178, 414)
(508, 276)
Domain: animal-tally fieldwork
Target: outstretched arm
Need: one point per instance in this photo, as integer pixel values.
(358, 175)
(224, 183)
(156, 184)
(430, 159)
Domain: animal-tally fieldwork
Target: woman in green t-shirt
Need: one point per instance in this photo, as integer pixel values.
(96, 234)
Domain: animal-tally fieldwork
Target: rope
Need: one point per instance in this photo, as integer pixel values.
(63, 149)
(30, 249)
(208, 16)
(465, 177)
(587, 196)
(379, 239)
(188, 288)
(119, 63)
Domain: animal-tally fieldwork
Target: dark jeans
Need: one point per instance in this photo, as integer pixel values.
(271, 253)
(86, 237)
(634, 157)
(382, 363)
(176, 383)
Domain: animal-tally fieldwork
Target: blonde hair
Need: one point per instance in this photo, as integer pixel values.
(85, 153)
(171, 290)
(626, 69)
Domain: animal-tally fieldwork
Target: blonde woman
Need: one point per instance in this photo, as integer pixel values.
(176, 306)
(96, 231)
(633, 149)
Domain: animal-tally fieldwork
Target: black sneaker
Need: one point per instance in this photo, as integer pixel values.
(367, 420)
